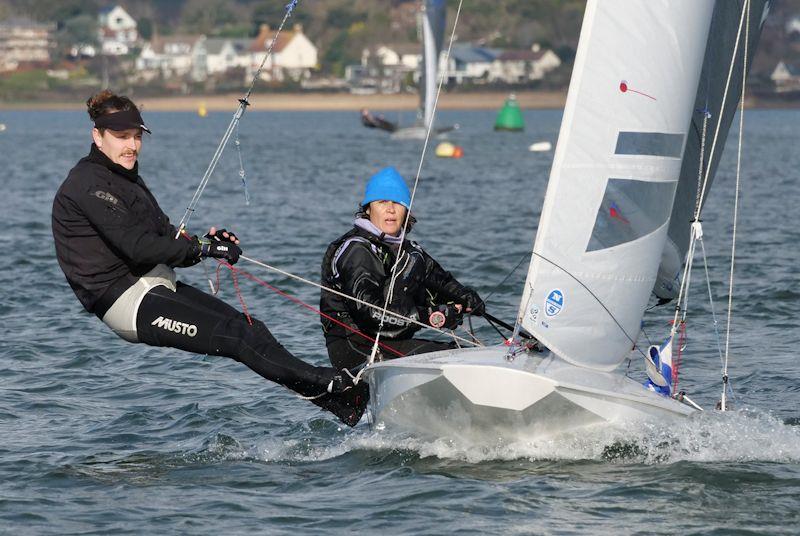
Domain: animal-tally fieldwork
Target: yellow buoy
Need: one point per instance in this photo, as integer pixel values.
(201, 110)
(448, 150)
(445, 150)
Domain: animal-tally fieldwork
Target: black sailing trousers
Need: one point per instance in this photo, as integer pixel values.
(191, 320)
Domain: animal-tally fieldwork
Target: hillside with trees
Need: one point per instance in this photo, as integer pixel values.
(341, 29)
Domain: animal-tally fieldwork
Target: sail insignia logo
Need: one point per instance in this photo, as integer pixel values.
(554, 302)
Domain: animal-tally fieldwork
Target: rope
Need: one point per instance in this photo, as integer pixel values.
(298, 301)
(735, 208)
(352, 298)
(429, 128)
(243, 104)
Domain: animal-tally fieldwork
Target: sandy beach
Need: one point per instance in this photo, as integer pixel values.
(308, 101)
(318, 101)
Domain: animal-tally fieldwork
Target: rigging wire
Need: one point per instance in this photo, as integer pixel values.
(704, 173)
(242, 173)
(354, 299)
(723, 399)
(429, 128)
(244, 102)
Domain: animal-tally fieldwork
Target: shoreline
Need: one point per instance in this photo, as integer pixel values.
(316, 102)
(309, 101)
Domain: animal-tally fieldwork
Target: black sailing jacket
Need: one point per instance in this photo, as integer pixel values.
(109, 230)
(359, 264)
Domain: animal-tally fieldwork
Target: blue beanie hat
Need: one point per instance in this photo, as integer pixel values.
(387, 185)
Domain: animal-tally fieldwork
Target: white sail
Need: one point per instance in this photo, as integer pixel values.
(433, 23)
(604, 221)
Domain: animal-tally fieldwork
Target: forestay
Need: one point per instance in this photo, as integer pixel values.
(433, 23)
(712, 118)
(604, 221)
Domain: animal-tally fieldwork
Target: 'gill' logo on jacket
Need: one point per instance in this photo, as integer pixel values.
(105, 196)
(175, 326)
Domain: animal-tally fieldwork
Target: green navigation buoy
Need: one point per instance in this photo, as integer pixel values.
(510, 116)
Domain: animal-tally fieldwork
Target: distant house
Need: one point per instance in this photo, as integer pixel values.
(175, 56)
(23, 41)
(384, 68)
(393, 55)
(470, 63)
(786, 77)
(223, 54)
(521, 66)
(293, 54)
(793, 26)
(117, 31)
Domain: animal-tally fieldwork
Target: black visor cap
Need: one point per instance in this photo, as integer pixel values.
(121, 121)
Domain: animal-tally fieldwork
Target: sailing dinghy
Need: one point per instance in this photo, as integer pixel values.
(603, 228)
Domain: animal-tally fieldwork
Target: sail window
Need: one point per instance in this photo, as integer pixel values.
(650, 144)
(630, 209)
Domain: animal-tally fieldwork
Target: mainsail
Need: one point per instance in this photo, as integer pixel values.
(615, 172)
(433, 22)
(729, 17)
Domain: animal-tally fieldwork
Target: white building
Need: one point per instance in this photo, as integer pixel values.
(793, 26)
(24, 41)
(117, 31)
(470, 63)
(403, 55)
(223, 54)
(786, 77)
(521, 66)
(175, 56)
(293, 54)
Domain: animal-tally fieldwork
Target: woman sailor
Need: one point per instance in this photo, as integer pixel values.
(118, 250)
(359, 264)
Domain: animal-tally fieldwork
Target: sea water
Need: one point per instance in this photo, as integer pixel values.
(100, 436)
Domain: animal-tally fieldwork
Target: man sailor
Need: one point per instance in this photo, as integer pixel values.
(118, 251)
(379, 122)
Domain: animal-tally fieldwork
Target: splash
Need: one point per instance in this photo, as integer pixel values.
(740, 436)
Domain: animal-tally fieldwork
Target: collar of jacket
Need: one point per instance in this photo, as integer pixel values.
(368, 226)
(98, 157)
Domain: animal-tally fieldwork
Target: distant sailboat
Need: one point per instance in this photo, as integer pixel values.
(616, 169)
(433, 19)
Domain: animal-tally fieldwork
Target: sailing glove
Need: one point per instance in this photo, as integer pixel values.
(471, 300)
(444, 317)
(219, 236)
(219, 249)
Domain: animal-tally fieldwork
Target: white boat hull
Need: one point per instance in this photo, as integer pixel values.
(419, 132)
(480, 395)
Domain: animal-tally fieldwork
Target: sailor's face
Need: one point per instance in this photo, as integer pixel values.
(120, 146)
(387, 216)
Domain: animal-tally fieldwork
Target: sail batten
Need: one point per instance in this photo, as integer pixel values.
(615, 173)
